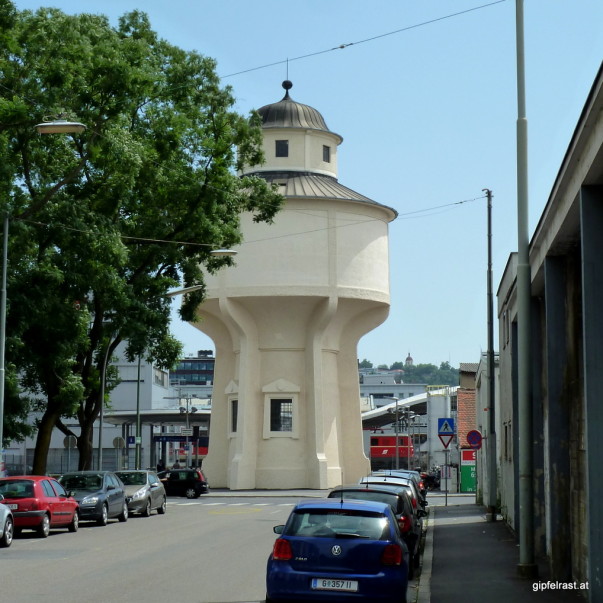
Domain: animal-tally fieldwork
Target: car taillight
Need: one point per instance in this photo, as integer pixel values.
(34, 505)
(392, 555)
(282, 550)
(405, 523)
(414, 502)
(421, 485)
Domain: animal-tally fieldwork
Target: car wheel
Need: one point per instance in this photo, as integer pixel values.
(7, 537)
(146, 512)
(163, 508)
(75, 522)
(191, 493)
(124, 513)
(104, 516)
(44, 528)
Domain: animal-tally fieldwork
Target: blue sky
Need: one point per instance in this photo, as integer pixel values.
(424, 95)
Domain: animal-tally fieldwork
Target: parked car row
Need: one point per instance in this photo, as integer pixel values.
(41, 503)
(362, 542)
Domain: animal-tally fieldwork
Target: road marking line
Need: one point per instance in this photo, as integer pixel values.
(229, 511)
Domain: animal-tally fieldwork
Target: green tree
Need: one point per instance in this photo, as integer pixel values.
(429, 374)
(365, 364)
(105, 223)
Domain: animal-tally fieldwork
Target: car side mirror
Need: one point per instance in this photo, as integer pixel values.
(421, 513)
(110, 487)
(278, 529)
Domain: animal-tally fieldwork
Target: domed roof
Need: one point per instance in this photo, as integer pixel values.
(289, 114)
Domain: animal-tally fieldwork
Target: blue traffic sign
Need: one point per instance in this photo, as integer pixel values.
(446, 426)
(474, 439)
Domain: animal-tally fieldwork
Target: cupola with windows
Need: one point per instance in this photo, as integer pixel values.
(296, 138)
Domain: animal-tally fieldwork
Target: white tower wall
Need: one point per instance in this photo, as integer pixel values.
(286, 321)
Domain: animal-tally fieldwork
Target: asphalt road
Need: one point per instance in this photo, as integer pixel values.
(207, 550)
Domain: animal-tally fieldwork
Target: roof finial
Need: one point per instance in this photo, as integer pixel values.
(287, 85)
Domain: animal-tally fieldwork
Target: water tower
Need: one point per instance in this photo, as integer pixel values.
(286, 320)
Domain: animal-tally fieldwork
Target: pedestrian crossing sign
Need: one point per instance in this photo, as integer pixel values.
(446, 426)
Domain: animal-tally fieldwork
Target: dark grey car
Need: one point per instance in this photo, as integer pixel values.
(101, 495)
(144, 491)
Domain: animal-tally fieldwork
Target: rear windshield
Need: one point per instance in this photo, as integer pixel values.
(322, 523)
(383, 497)
(86, 483)
(17, 488)
(132, 478)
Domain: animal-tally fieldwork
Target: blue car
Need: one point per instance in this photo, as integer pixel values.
(338, 550)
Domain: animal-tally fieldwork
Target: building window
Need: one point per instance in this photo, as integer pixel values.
(160, 377)
(234, 415)
(281, 414)
(326, 153)
(281, 410)
(282, 148)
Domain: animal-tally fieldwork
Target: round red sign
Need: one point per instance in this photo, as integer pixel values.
(474, 439)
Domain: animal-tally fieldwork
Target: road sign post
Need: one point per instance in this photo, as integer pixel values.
(446, 431)
(446, 435)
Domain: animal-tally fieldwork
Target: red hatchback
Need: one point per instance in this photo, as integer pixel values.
(39, 503)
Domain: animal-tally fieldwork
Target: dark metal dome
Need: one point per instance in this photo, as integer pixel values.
(289, 114)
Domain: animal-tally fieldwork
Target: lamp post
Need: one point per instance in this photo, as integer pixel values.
(527, 567)
(185, 410)
(188, 409)
(59, 126)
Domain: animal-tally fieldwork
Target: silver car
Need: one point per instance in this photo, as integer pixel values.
(7, 525)
(144, 491)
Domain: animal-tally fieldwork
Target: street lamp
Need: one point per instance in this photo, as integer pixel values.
(59, 126)
(188, 410)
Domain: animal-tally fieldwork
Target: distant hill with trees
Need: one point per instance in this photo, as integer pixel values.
(429, 374)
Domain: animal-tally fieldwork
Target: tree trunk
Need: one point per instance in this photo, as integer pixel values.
(47, 423)
(85, 446)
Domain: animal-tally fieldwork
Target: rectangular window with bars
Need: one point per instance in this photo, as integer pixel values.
(281, 414)
(234, 415)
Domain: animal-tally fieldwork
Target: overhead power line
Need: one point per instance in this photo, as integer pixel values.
(365, 40)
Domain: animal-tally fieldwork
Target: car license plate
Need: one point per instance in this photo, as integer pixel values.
(350, 586)
(13, 506)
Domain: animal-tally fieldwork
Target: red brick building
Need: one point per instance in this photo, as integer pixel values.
(466, 411)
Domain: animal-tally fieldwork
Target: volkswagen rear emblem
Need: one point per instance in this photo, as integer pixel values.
(336, 550)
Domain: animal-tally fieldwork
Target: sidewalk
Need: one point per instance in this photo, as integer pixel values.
(470, 560)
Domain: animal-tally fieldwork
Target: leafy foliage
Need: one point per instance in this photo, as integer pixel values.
(429, 374)
(105, 223)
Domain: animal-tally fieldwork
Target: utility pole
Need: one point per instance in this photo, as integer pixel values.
(491, 440)
(527, 567)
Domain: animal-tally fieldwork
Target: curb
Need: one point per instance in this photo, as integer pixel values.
(424, 586)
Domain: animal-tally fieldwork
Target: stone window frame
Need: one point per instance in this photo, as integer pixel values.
(281, 390)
